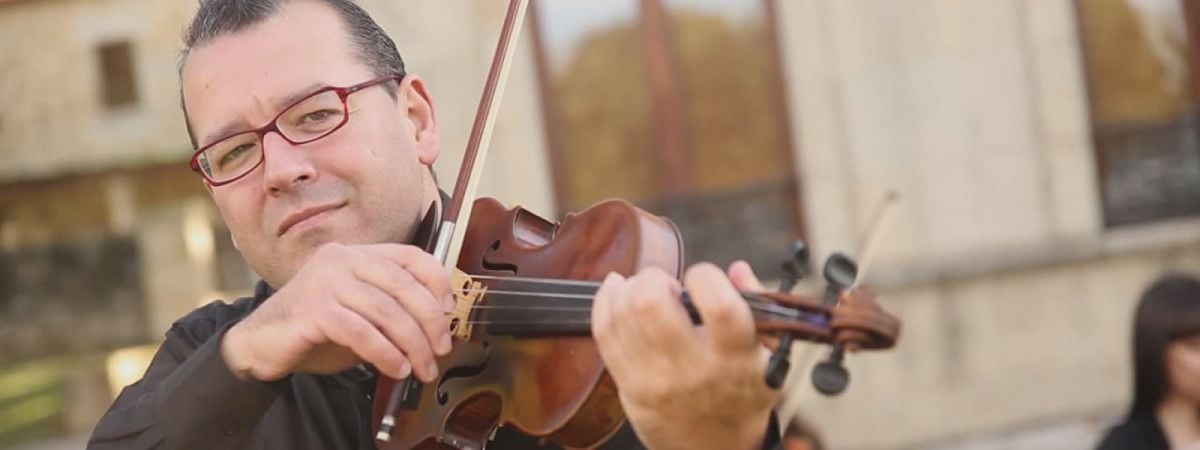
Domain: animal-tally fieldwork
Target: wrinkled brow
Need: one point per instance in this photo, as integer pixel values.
(238, 125)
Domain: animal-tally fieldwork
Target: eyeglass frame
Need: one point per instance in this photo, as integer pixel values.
(273, 125)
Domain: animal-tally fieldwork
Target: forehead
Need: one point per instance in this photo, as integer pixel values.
(244, 75)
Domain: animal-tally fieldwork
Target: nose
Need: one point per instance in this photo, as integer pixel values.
(285, 166)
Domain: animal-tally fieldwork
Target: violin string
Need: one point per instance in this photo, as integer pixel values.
(765, 308)
(756, 304)
(527, 322)
(533, 308)
(547, 281)
(558, 308)
(527, 293)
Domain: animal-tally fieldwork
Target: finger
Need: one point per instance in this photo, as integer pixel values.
(726, 315)
(347, 329)
(743, 277)
(602, 330)
(423, 266)
(415, 297)
(769, 342)
(655, 316)
(385, 314)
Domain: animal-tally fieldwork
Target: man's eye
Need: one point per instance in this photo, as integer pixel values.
(318, 116)
(233, 156)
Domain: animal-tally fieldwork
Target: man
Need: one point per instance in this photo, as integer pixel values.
(316, 147)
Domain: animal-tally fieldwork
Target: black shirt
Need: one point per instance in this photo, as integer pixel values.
(189, 398)
(1138, 432)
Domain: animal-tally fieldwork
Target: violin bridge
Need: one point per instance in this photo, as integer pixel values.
(467, 293)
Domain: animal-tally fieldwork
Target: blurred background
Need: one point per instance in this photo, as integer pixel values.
(1047, 153)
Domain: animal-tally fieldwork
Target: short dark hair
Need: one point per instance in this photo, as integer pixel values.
(217, 18)
(1168, 311)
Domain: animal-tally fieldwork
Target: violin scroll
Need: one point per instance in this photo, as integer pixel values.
(857, 321)
(849, 320)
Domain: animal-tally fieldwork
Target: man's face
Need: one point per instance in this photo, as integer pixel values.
(368, 182)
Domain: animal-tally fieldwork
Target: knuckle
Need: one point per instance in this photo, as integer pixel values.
(655, 275)
(394, 362)
(386, 307)
(357, 333)
(655, 390)
(436, 326)
(704, 269)
(414, 342)
(645, 303)
(401, 279)
(725, 311)
(406, 251)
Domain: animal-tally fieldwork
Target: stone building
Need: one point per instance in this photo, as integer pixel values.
(1045, 152)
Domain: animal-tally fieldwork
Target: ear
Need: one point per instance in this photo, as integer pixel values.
(413, 97)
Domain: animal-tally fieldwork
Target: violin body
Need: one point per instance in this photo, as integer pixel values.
(546, 381)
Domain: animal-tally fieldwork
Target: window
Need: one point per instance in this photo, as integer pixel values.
(1141, 72)
(678, 107)
(118, 83)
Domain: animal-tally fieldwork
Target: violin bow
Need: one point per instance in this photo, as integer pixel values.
(453, 227)
(451, 232)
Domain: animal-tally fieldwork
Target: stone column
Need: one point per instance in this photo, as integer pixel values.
(175, 242)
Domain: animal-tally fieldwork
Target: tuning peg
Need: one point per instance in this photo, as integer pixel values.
(796, 267)
(840, 272)
(779, 365)
(830, 377)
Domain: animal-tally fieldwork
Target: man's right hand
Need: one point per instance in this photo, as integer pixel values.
(382, 303)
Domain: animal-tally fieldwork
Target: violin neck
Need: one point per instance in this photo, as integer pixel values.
(532, 308)
(542, 308)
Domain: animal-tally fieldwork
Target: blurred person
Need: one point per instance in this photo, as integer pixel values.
(316, 147)
(1166, 360)
(800, 435)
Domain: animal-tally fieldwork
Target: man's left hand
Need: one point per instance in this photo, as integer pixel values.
(685, 386)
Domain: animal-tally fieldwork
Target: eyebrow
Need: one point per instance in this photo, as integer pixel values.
(239, 125)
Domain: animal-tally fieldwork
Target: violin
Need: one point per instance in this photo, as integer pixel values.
(523, 288)
(523, 355)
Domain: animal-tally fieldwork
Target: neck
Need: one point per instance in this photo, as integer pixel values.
(530, 307)
(1180, 420)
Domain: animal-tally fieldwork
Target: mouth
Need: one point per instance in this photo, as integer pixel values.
(306, 214)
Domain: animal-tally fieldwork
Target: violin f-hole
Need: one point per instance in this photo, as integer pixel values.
(497, 266)
(459, 372)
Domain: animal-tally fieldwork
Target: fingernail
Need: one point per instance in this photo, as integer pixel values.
(405, 370)
(446, 344)
(448, 303)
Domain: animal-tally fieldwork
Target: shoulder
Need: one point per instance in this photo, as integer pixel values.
(1136, 432)
(207, 320)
